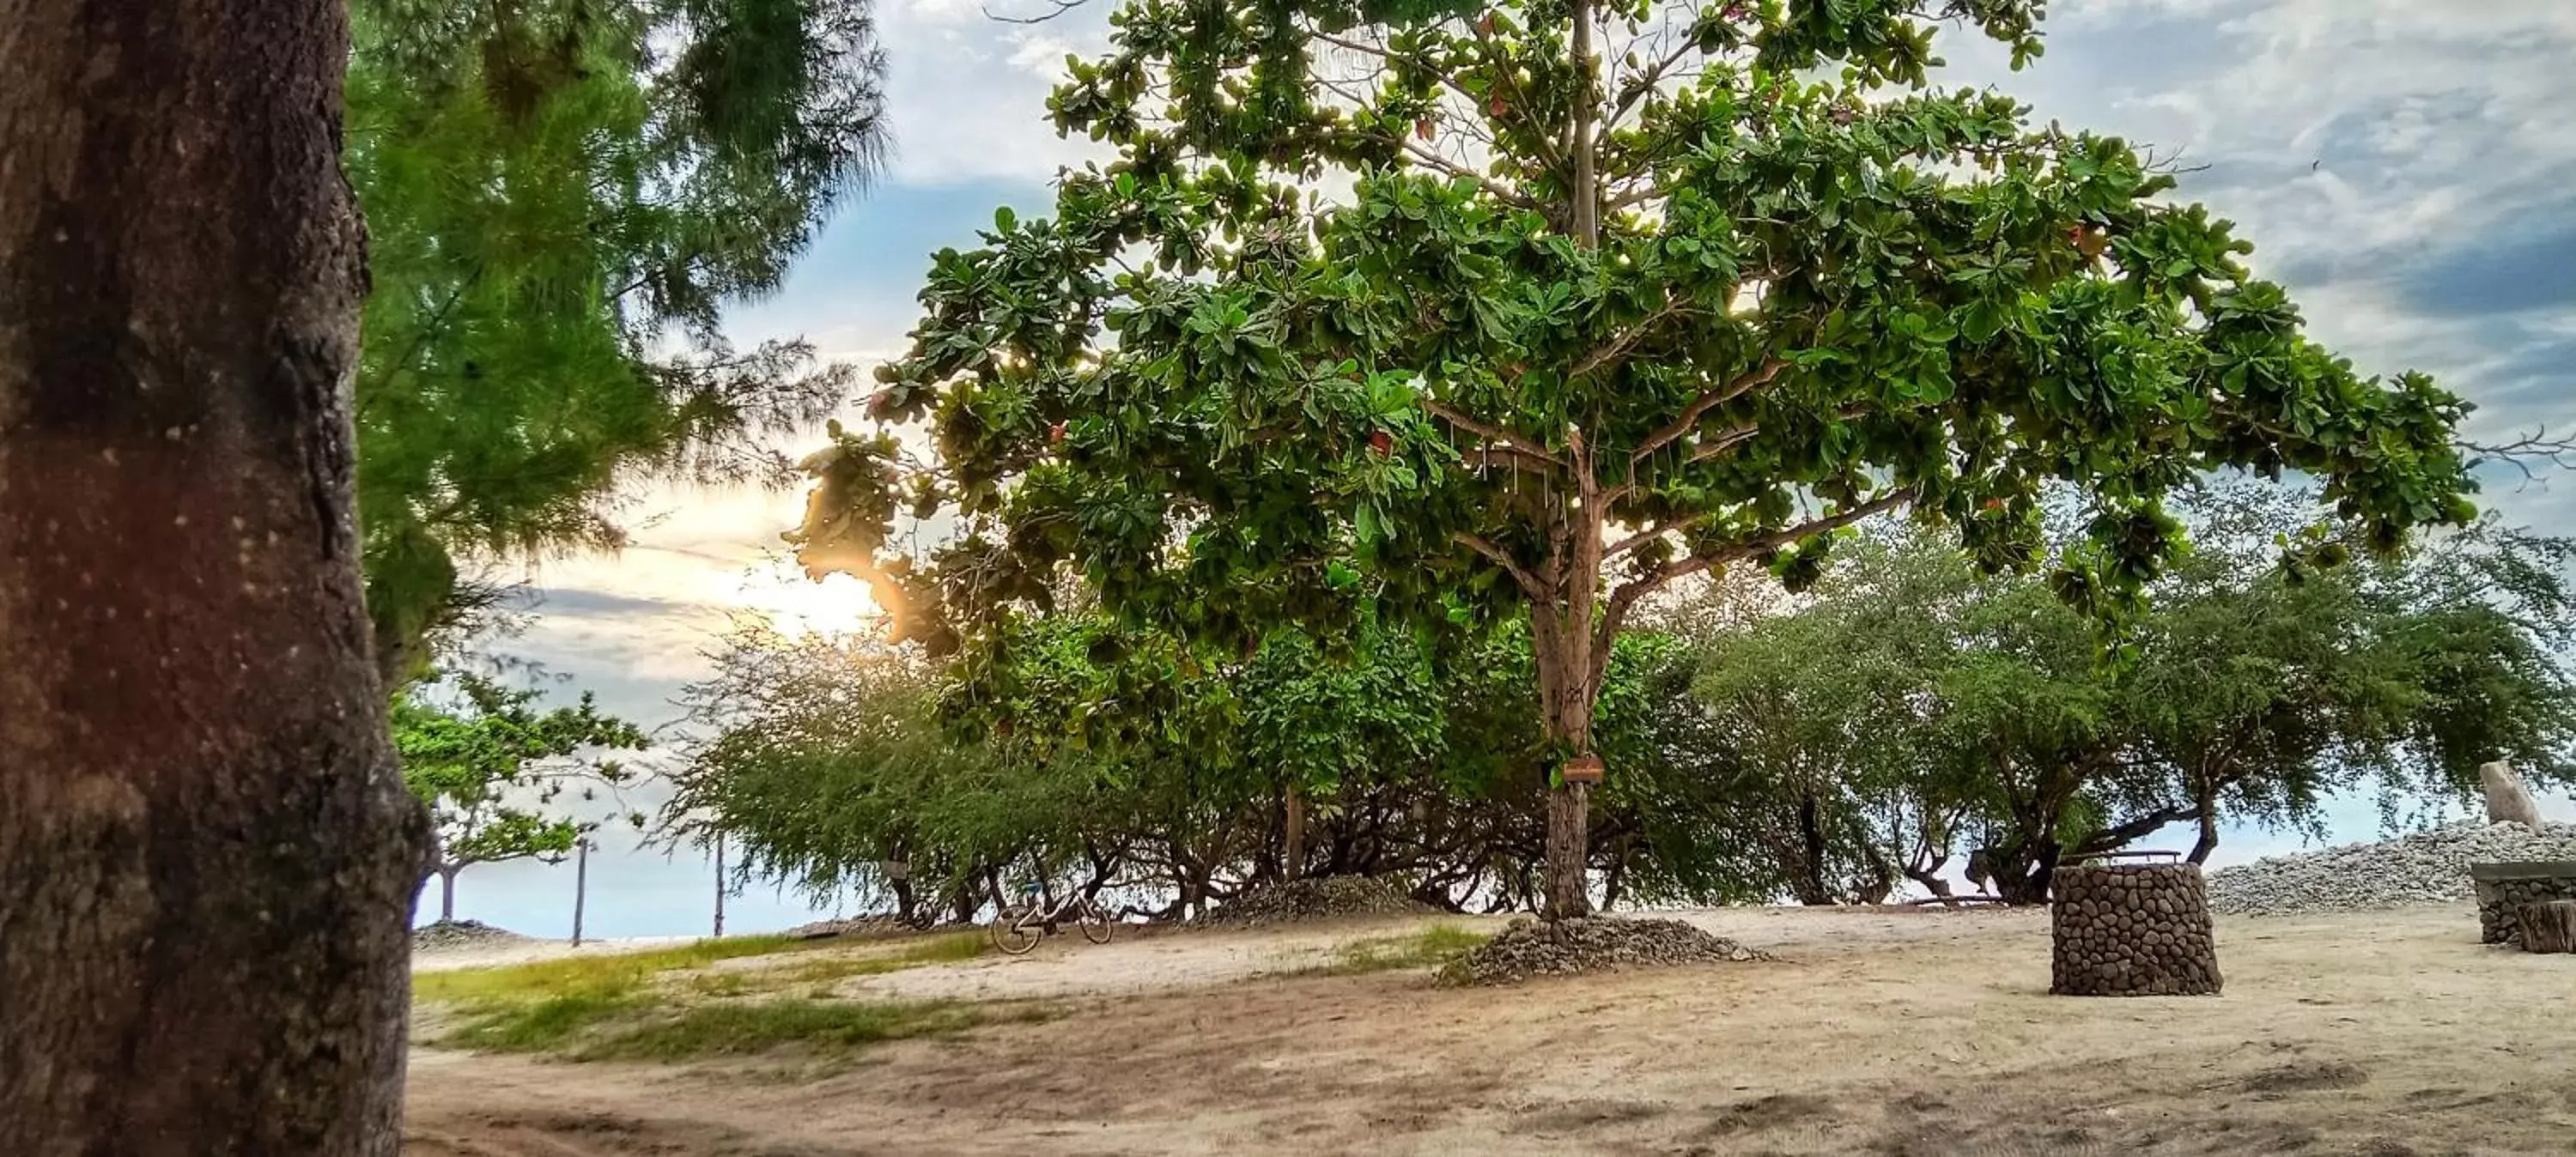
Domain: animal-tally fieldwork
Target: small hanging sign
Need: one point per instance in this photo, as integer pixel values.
(1584, 768)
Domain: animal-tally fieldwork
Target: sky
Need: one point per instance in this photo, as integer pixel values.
(2407, 168)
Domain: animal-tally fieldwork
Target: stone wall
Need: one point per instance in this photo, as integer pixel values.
(2503, 888)
(2131, 930)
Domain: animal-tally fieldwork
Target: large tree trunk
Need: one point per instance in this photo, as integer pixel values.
(907, 903)
(1567, 691)
(207, 858)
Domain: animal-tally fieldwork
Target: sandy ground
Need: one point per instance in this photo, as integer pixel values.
(2385, 1034)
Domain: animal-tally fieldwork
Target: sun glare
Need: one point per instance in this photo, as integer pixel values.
(796, 607)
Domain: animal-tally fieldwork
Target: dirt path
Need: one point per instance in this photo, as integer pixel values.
(1916, 1033)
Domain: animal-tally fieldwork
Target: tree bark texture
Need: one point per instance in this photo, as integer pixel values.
(1560, 642)
(2548, 926)
(1293, 860)
(207, 858)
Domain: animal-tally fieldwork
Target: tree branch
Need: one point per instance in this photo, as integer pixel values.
(1734, 436)
(1492, 187)
(2536, 447)
(1619, 348)
(1643, 537)
(1789, 534)
(1626, 595)
(1060, 8)
(1701, 405)
(1491, 433)
(1644, 85)
(1529, 583)
(1514, 457)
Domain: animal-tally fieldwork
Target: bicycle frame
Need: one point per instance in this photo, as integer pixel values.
(1039, 912)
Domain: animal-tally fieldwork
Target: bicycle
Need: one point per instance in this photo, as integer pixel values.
(1017, 928)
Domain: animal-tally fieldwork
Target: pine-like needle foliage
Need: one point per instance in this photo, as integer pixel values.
(561, 197)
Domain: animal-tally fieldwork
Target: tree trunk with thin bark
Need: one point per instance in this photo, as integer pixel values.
(1293, 858)
(207, 857)
(447, 891)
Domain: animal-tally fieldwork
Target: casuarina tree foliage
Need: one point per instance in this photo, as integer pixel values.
(560, 197)
(1547, 305)
(1959, 715)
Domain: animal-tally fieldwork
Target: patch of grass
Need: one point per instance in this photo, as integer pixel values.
(936, 950)
(719, 984)
(742, 1028)
(541, 1025)
(586, 974)
(1432, 947)
(618, 1006)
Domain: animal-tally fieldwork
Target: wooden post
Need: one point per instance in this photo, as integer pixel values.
(720, 882)
(580, 883)
(2548, 926)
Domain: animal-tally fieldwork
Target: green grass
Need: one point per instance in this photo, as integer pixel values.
(1431, 947)
(950, 949)
(617, 971)
(617, 1005)
(748, 1028)
(539, 1025)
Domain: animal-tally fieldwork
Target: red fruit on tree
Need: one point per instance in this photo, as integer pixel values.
(1382, 442)
(1498, 108)
(1485, 23)
(1055, 434)
(1422, 128)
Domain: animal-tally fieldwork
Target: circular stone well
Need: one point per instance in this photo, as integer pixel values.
(2131, 930)
(2504, 888)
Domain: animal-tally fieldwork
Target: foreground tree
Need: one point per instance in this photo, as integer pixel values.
(207, 856)
(1617, 296)
(561, 196)
(487, 766)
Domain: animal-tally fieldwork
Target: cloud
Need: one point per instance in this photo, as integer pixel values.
(967, 94)
(2502, 273)
(574, 602)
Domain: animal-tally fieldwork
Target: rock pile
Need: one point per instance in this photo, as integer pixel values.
(452, 934)
(854, 926)
(2427, 867)
(1319, 898)
(2130, 930)
(1598, 944)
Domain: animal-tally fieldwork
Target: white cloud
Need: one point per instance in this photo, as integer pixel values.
(967, 94)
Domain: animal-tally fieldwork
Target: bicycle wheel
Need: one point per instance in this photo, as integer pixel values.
(1096, 926)
(1014, 931)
